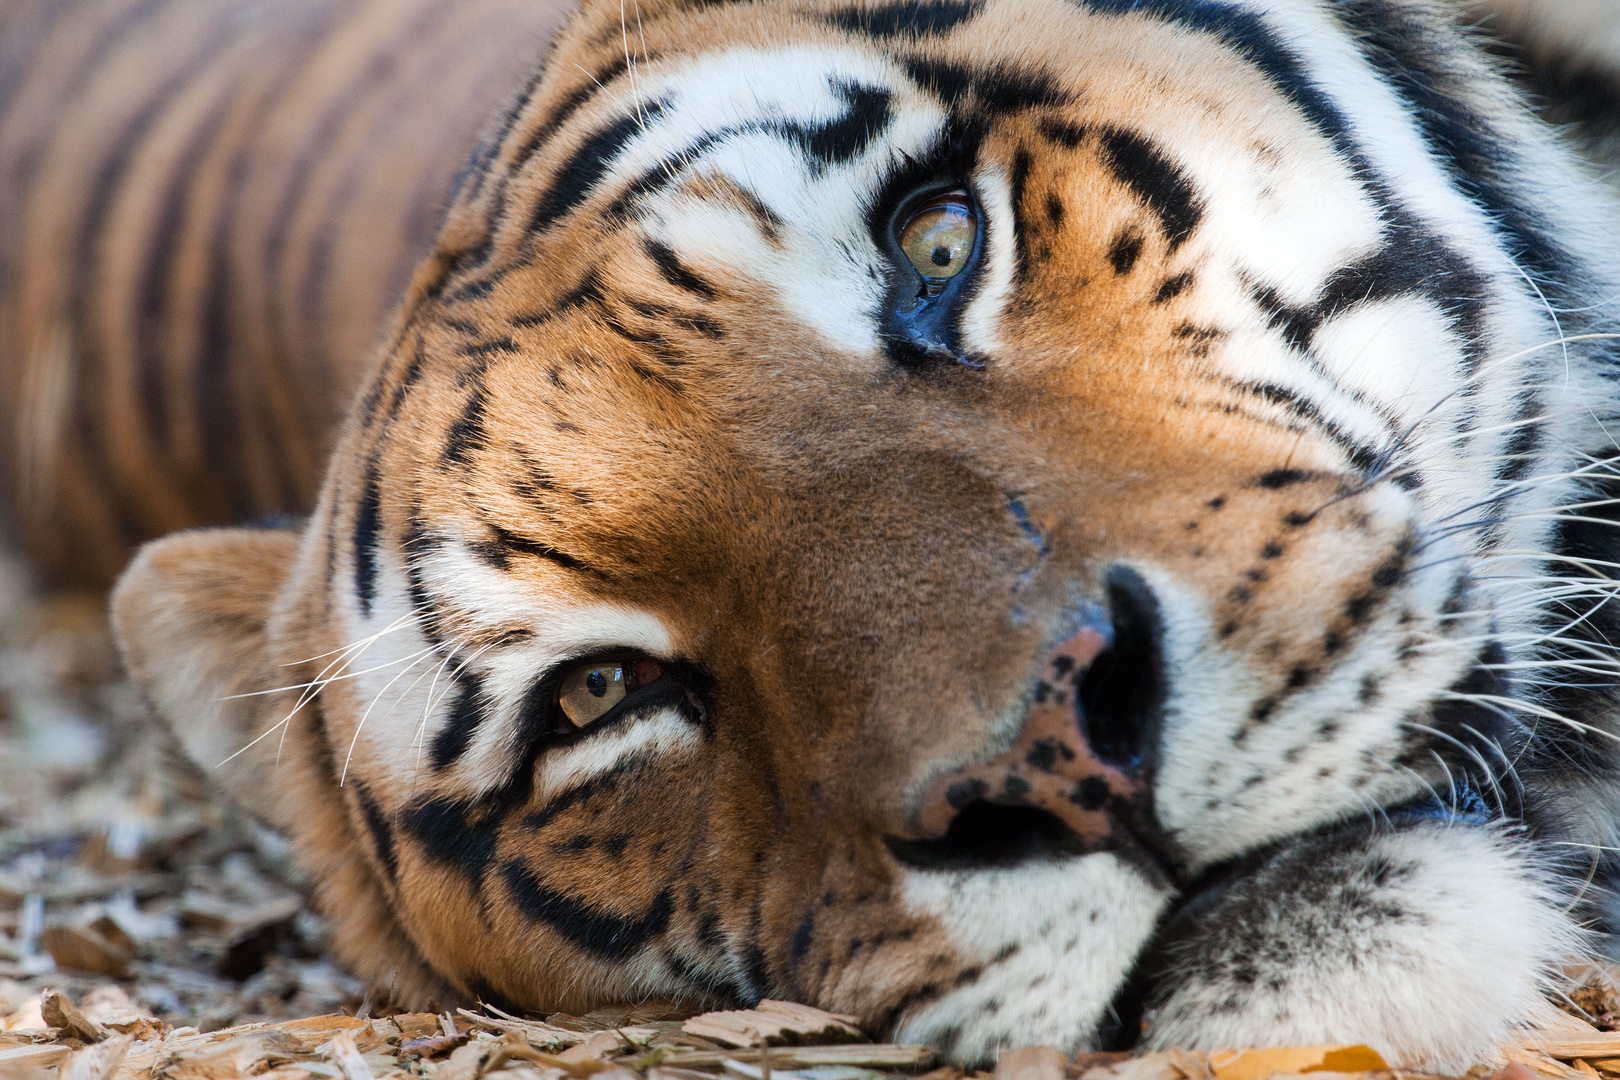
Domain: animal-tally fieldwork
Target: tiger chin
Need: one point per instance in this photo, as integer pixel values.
(1024, 521)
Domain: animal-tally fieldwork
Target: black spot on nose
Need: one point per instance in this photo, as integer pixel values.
(1123, 691)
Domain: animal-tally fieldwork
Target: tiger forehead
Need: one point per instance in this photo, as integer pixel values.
(659, 103)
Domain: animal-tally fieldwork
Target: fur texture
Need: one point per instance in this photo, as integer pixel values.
(1265, 440)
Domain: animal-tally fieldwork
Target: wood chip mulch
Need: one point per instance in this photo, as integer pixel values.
(114, 1039)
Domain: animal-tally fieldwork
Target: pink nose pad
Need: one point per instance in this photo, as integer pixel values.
(1050, 766)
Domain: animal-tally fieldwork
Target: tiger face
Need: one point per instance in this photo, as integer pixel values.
(1023, 521)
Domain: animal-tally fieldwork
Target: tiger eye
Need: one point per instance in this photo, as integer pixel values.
(937, 239)
(589, 692)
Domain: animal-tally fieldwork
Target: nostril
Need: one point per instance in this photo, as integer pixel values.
(1124, 689)
(987, 835)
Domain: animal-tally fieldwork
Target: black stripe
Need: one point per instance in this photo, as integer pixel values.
(995, 89)
(154, 280)
(1413, 56)
(612, 937)
(127, 515)
(32, 156)
(913, 17)
(571, 104)
(382, 834)
(458, 834)
(507, 542)
(1363, 457)
(367, 524)
(670, 268)
(1412, 263)
(467, 713)
(1017, 182)
(588, 291)
(574, 181)
(466, 434)
(316, 148)
(1157, 181)
(867, 114)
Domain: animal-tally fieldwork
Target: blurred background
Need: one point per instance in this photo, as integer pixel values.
(117, 868)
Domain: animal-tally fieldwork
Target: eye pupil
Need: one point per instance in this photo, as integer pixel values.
(596, 682)
(942, 256)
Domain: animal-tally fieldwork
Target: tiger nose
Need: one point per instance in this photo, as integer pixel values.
(1122, 692)
(1091, 732)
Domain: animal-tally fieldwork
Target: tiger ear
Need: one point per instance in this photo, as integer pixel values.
(191, 616)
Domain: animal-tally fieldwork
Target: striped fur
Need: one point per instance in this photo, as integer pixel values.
(1191, 625)
(209, 216)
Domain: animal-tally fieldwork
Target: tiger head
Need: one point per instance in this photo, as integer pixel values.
(1024, 521)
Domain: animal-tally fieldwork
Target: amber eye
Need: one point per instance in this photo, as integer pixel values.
(590, 691)
(937, 238)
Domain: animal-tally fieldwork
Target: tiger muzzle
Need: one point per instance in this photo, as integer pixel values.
(1076, 780)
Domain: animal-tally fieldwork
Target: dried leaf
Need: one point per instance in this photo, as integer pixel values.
(1257, 1064)
(432, 1046)
(235, 1056)
(670, 1072)
(775, 1023)
(97, 1062)
(82, 948)
(1192, 1064)
(467, 1063)
(1157, 1066)
(878, 1055)
(597, 1047)
(417, 1025)
(1030, 1063)
(547, 1033)
(60, 1012)
(642, 1012)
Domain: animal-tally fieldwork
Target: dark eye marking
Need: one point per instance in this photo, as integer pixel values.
(1157, 181)
(471, 707)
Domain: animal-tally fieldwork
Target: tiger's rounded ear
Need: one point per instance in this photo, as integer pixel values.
(190, 614)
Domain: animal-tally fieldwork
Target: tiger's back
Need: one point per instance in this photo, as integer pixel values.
(209, 213)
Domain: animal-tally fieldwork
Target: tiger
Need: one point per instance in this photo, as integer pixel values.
(1085, 523)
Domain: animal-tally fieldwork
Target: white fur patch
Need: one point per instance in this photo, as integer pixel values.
(1055, 940)
(1429, 968)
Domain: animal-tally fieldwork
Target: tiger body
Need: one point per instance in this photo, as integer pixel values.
(211, 214)
(1184, 621)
